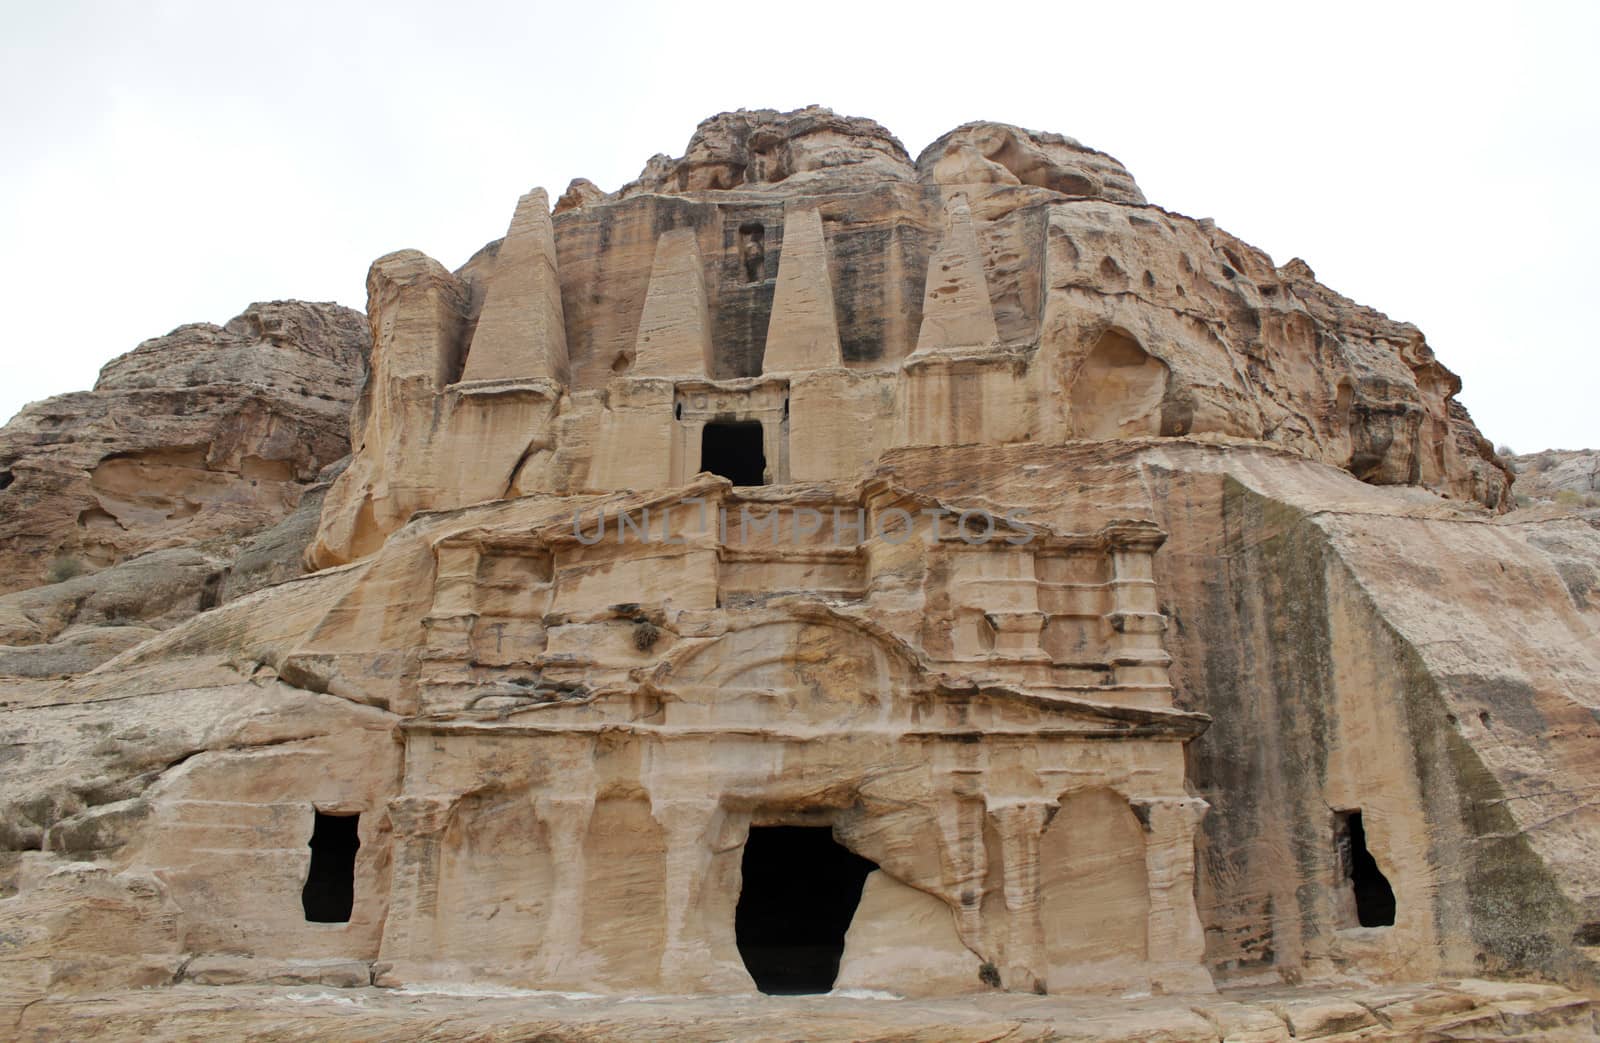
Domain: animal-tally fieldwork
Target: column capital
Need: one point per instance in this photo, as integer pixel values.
(684, 806)
(412, 816)
(1019, 810)
(1173, 929)
(1157, 813)
(564, 811)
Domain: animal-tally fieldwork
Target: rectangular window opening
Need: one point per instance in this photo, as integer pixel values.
(329, 893)
(1374, 898)
(735, 450)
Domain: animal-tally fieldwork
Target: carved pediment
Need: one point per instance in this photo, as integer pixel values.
(788, 673)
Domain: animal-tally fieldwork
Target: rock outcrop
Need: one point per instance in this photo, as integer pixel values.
(810, 568)
(997, 154)
(1570, 478)
(123, 508)
(211, 432)
(758, 150)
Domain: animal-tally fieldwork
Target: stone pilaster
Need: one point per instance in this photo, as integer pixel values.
(686, 449)
(450, 618)
(566, 821)
(961, 817)
(1176, 939)
(691, 826)
(409, 930)
(1020, 824)
(1138, 628)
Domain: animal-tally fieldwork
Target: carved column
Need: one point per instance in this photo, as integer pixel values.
(688, 436)
(449, 625)
(690, 826)
(408, 931)
(1138, 626)
(1174, 933)
(776, 450)
(1020, 824)
(961, 814)
(566, 822)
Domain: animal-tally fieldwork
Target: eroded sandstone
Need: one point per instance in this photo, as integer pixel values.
(1073, 599)
(210, 432)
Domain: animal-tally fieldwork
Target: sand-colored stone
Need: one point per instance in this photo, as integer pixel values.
(1098, 570)
(1558, 482)
(803, 333)
(1011, 286)
(209, 433)
(957, 314)
(994, 154)
(675, 331)
(486, 1015)
(520, 333)
(905, 940)
(425, 438)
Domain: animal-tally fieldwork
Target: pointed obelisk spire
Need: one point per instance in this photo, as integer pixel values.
(957, 314)
(803, 332)
(675, 330)
(521, 332)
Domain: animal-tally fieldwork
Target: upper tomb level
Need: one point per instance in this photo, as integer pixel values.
(796, 295)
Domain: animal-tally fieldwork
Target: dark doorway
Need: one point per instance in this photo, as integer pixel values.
(6, 478)
(733, 450)
(799, 892)
(1374, 897)
(331, 884)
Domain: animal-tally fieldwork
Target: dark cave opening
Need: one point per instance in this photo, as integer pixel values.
(1375, 904)
(799, 893)
(329, 893)
(733, 449)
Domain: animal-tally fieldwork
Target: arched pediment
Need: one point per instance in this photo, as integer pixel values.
(819, 671)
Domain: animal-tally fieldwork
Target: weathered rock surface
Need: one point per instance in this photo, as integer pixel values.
(278, 553)
(1441, 1012)
(211, 432)
(1466, 743)
(761, 148)
(1127, 613)
(67, 628)
(994, 153)
(1068, 307)
(1565, 477)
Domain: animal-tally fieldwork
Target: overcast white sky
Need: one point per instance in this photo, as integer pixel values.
(171, 162)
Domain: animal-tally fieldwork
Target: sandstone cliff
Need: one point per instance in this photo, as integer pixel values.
(1249, 627)
(123, 508)
(210, 431)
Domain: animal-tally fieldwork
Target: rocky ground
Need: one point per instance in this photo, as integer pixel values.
(1453, 1010)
